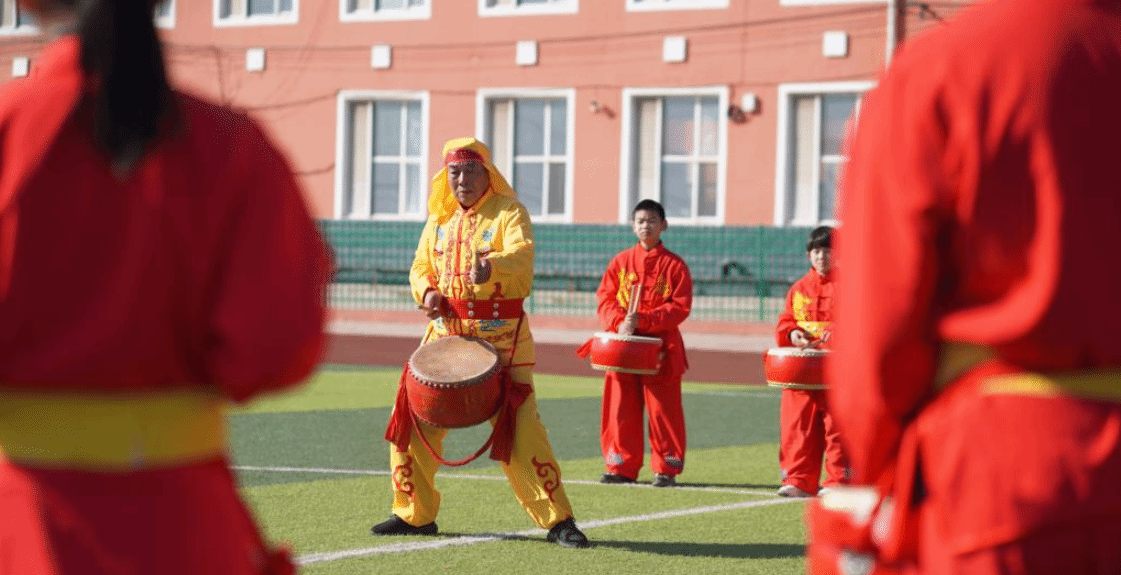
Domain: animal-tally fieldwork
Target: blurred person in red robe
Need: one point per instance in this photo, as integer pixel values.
(157, 261)
(976, 378)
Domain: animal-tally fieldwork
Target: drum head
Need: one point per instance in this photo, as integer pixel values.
(454, 359)
(797, 352)
(608, 335)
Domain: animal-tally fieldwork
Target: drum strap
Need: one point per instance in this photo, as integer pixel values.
(501, 440)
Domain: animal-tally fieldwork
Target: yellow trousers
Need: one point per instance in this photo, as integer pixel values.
(533, 471)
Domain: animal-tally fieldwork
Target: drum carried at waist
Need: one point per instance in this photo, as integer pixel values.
(454, 381)
(795, 367)
(637, 354)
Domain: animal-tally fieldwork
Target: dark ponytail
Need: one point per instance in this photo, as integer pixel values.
(121, 48)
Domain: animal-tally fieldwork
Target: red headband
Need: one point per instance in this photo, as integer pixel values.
(463, 155)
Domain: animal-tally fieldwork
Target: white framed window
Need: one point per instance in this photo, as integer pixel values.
(165, 14)
(15, 20)
(814, 120)
(529, 132)
(384, 10)
(255, 12)
(527, 7)
(381, 155)
(651, 5)
(675, 152)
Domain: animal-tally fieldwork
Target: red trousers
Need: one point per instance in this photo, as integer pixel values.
(178, 521)
(806, 433)
(624, 397)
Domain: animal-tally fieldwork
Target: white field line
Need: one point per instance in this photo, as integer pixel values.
(475, 539)
(331, 471)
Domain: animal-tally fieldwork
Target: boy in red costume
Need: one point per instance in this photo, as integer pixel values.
(806, 429)
(665, 299)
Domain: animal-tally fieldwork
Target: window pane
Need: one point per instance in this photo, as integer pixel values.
(647, 160)
(414, 131)
(677, 189)
(710, 124)
(390, 4)
(706, 202)
(529, 127)
(285, 6)
(387, 188)
(416, 2)
(499, 136)
(558, 124)
(556, 188)
(259, 7)
(414, 188)
(827, 199)
(387, 129)
(358, 200)
(804, 156)
(835, 112)
(162, 9)
(677, 135)
(225, 8)
(528, 181)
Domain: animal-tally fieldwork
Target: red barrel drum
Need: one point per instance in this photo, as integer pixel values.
(795, 367)
(454, 381)
(636, 354)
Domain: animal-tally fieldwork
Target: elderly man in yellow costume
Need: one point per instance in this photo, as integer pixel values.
(472, 270)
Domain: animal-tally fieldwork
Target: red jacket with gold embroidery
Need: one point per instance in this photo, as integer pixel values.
(665, 300)
(200, 269)
(809, 306)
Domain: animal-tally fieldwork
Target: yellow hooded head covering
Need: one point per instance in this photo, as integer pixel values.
(442, 202)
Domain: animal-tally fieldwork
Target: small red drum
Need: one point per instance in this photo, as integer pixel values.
(454, 381)
(636, 354)
(795, 367)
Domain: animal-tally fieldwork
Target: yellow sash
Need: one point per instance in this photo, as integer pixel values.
(111, 432)
(958, 358)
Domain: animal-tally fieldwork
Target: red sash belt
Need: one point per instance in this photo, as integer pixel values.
(482, 308)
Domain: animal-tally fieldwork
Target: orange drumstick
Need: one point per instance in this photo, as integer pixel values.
(636, 292)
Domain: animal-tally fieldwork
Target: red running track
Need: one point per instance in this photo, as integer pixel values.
(735, 368)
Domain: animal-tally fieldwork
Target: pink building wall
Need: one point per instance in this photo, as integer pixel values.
(750, 46)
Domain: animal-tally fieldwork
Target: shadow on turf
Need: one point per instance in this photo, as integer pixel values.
(676, 548)
(716, 550)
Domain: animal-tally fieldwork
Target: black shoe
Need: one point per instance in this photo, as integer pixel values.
(397, 526)
(566, 534)
(663, 480)
(615, 478)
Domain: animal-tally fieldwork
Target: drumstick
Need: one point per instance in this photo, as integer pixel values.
(632, 306)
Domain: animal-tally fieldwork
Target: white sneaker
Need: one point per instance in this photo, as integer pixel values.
(824, 490)
(793, 491)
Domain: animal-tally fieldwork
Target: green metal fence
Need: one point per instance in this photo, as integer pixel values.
(740, 273)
